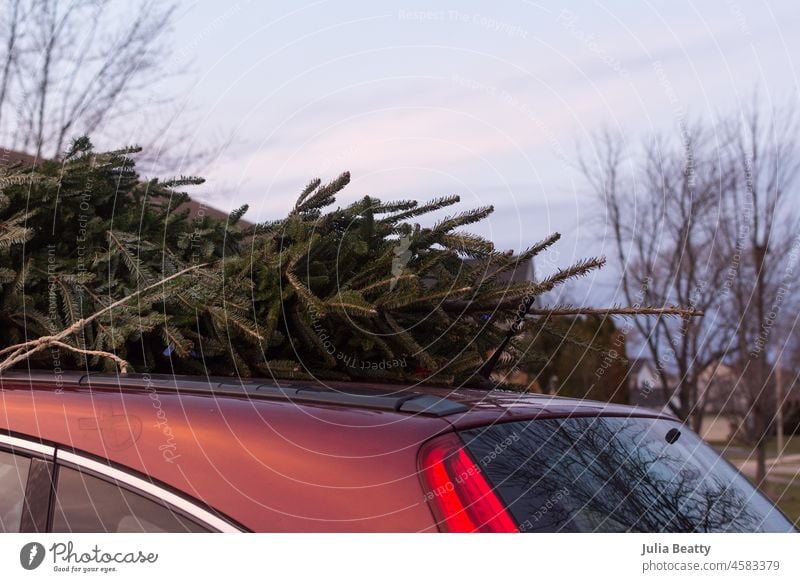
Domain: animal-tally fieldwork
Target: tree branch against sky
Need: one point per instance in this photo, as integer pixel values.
(661, 211)
(759, 231)
(709, 221)
(72, 67)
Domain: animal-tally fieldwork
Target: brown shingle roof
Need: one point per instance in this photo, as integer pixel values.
(10, 157)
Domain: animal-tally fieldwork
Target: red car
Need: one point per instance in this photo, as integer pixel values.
(105, 453)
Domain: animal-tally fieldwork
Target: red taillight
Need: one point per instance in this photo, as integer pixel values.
(457, 491)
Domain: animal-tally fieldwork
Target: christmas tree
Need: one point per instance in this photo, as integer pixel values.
(115, 268)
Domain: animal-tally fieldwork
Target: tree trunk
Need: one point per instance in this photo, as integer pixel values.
(697, 422)
(761, 464)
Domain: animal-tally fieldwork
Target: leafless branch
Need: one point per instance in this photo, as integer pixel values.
(623, 311)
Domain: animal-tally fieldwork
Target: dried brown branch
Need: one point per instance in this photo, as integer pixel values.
(25, 350)
(624, 311)
(123, 364)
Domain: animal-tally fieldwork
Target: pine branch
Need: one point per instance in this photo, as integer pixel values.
(432, 206)
(579, 269)
(312, 185)
(323, 196)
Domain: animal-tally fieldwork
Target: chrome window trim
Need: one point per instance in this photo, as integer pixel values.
(203, 516)
(26, 445)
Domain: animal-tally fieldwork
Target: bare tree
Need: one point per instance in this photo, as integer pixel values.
(661, 201)
(759, 233)
(70, 66)
(12, 22)
(709, 224)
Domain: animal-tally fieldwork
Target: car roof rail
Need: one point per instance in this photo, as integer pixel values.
(400, 400)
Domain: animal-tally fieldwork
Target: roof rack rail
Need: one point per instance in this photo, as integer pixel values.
(42, 377)
(294, 391)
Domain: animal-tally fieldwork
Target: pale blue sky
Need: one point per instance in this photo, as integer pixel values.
(482, 99)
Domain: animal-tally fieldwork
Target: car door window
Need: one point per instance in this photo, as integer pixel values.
(13, 479)
(85, 503)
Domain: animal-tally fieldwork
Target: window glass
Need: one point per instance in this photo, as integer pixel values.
(85, 503)
(13, 478)
(617, 474)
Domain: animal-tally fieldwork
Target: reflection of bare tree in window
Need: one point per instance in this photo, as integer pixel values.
(619, 475)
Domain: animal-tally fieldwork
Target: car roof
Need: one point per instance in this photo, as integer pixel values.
(460, 406)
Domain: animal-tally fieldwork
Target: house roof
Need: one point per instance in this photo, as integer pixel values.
(9, 157)
(637, 364)
(522, 271)
(198, 209)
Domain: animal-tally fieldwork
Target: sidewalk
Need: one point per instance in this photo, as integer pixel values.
(785, 470)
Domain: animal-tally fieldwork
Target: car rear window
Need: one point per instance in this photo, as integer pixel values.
(606, 474)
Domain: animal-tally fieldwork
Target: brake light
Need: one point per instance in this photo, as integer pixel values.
(457, 491)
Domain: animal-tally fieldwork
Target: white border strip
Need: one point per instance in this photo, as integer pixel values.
(27, 445)
(201, 514)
